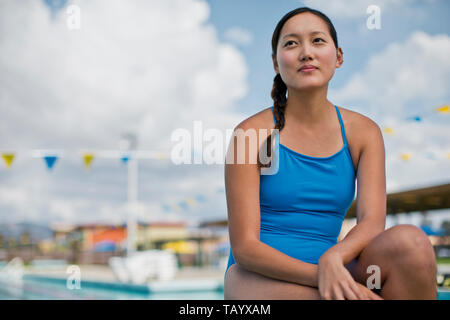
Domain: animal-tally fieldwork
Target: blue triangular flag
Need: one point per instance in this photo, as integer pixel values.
(200, 198)
(183, 204)
(50, 161)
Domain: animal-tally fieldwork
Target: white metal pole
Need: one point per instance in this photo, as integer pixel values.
(132, 203)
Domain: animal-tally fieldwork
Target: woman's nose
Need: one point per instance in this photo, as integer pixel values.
(306, 54)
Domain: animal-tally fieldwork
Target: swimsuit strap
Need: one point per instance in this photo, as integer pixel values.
(344, 138)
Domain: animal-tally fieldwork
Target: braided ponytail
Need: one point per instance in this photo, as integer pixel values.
(278, 94)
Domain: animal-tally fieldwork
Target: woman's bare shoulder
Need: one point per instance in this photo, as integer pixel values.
(358, 123)
(355, 118)
(263, 119)
(360, 130)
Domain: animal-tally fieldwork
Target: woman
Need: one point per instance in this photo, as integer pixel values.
(284, 226)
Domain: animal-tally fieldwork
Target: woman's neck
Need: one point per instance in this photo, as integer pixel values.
(308, 108)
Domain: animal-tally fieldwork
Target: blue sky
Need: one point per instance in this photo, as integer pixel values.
(152, 67)
(261, 17)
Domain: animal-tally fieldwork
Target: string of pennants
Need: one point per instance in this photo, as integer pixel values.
(406, 156)
(50, 158)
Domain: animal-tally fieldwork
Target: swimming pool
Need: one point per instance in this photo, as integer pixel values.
(47, 288)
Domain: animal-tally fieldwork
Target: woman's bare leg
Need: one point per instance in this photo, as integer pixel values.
(403, 254)
(406, 260)
(241, 284)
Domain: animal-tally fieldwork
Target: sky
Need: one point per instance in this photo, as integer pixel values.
(151, 67)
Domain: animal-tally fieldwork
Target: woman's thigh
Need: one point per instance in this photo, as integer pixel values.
(241, 284)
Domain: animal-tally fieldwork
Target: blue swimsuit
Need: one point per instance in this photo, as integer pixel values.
(303, 205)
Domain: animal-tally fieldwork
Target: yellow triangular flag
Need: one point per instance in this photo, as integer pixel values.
(448, 155)
(406, 155)
(88, 157)
(161, 156)
(444, 109)
(191, 201)
(388, 130)
(9, 158)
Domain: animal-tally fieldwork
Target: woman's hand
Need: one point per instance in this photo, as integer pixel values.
(336, 282)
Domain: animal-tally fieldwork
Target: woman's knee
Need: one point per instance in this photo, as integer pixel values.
(409, 241)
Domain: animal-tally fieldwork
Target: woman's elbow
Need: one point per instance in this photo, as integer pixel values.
(243, 252)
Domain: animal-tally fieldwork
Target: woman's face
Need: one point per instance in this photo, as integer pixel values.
(299, 45)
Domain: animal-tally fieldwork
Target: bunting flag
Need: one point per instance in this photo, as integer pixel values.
(443, 109)
(200, 198)
(183, 204)
(161, 156)
(191, 201)
(166, 207)
(88, 157)
(9, 158)
(125, 159)
(50, 161)
(415, 118)
(175, 207)
(430, 155)
(388, 130)
(55, 6)
(406, 155)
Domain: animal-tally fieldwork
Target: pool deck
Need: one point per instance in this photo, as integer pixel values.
(104, 273)
(187, 279)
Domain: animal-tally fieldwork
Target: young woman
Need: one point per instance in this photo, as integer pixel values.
(284, 226)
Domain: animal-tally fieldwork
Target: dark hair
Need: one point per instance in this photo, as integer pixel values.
(279, 88)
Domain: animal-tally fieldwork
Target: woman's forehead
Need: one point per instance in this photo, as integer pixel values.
(303, 24)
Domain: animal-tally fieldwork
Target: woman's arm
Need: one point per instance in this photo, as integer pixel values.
(335, 281)
(371, 195)
(242, 192)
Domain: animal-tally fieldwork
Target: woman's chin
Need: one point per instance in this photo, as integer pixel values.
(309, 87)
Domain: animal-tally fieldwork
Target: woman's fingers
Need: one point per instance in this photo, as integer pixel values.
(370, 295)
(349, 293)
(338, 294)
(357, 290)
(374, 296)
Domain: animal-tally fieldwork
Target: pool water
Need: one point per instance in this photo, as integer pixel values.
(36, 288)
(40, 288)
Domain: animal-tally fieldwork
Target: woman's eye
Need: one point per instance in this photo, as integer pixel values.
(288, 42)
(318, 39)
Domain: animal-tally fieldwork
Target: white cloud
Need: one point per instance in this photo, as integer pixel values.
(139, 66)
(417, 68)
(147, 67)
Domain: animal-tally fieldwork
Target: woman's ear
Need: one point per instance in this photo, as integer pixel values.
(340, 57)
(275, 64)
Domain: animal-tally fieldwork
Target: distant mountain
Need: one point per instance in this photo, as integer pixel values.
(15, 230)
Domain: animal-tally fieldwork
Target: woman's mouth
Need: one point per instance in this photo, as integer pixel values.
(308, 69)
